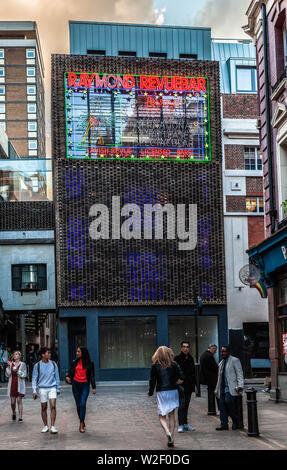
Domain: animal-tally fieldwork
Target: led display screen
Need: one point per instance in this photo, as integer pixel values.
(137, 117)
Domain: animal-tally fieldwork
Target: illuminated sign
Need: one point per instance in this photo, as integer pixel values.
(137, 117)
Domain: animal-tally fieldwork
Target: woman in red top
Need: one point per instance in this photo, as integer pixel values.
(16, 373)
(81, 375)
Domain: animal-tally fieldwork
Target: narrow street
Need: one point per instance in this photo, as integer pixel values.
(122, 417)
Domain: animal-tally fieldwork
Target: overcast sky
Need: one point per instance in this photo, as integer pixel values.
(225, 17)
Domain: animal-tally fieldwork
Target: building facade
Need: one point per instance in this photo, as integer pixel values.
(243, 199)
(22, 107)
(27, 286)
(267, 26)
(140, 130)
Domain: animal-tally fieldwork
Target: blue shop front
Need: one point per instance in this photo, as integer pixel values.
(122, 341)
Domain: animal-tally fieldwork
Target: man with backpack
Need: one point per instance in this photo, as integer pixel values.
(46, 378)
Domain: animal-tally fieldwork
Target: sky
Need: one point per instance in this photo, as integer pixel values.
(52, 18)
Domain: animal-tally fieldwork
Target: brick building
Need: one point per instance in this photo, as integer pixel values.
(267, 26)
(22, 107)
(243, 199)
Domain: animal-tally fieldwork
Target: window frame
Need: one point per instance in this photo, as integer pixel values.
(258, 198)
(31, 86)
(31, 75)
(2, 53)
(257, 159)
(32, 123)
(33, 141)
(253, 78)
(3, 70)
(28, 51)
(29, 105)
(41, 284)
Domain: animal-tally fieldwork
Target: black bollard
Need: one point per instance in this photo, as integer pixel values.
(239, 411)
(253, 429)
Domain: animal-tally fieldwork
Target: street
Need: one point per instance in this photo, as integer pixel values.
(122, 417)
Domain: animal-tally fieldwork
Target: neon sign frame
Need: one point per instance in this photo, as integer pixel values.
(150, 85)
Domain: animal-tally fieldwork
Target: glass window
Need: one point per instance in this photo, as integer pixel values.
(246, 79)
(252, 160)
(32, 108)
(2, 90)
(255, 205)
(31, 90)
(2, 108)
(31, 71)
(2, 71)
(127, 342)
(283, 292)
(32, 144)
(183, 328)
(29, 277)
(32, 126)
(30, 53)
(2, 54)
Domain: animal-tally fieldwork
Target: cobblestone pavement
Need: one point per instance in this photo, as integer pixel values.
(123, 417)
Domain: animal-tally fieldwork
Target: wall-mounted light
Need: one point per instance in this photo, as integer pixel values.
(238, 236)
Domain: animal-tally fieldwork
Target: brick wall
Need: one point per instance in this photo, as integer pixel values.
(234, 157)
(256, 231)
(240, 106)
(235, 204)
(254, 186)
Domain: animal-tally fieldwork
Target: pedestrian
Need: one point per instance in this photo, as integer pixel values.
(4, 356)
(186, 363)
(16, 372)
(32, 358)
(46, 378)
(230, 385)
(166, 375)
(81, 375)
(54, 354)
(208, 375)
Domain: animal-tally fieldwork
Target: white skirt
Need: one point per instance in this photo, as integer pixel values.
(167, 401)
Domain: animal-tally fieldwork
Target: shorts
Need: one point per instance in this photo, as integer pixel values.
(47, 394)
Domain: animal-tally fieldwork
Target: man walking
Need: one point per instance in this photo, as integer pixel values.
(186, 363)
(208, 375)
(46, 377)
(4, 356)
(229, 385)
(31, 360)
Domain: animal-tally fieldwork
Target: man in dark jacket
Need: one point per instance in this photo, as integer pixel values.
(208, 375)
(186, 363)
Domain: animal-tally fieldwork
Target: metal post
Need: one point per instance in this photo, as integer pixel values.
(197, 365)
(253, 429)
(239, 411)
(23, 335)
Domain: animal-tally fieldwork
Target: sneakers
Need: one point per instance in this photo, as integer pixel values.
(53, 430)
(186, 427)
(20, 420)
(180, 429)
(45, 429)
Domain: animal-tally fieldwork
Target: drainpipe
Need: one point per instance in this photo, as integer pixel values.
(273, 211)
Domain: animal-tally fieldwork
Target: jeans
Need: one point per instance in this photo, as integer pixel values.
(81, 392)
(227, 408)
(184, 399)
(211, 400)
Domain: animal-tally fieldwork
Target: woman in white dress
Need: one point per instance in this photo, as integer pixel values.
(166, 375)
(16, 373)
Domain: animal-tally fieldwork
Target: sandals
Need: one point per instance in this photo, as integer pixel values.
(170, 442)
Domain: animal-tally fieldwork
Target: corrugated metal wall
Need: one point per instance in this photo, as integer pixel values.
(142, 39)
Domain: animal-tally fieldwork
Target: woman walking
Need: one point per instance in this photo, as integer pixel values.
(16, 373)
(166, 375)
(81, 375)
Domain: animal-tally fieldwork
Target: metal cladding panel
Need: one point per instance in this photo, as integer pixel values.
(136, 272)
(142, 39)
(27, 215)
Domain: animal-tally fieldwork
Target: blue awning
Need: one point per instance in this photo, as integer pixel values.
(271, 256)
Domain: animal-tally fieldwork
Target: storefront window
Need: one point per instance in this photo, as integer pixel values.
(283, 292)
(183, 328)
(127, 342)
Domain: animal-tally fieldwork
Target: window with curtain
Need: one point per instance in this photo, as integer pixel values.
(29, 277)
(127, 342)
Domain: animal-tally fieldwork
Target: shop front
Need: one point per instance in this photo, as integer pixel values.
(122, 340)
(271, 257)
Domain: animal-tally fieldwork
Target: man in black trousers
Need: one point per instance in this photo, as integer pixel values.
(208, 375)
(186, 363)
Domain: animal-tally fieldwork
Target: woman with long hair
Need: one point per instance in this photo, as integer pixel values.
(16, 372)
(166, 375)
(81, 375)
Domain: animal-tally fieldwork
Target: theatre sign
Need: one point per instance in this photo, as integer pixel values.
(137, 117)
